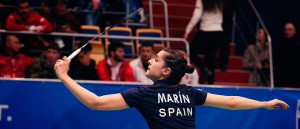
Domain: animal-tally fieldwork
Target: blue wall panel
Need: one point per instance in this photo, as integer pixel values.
(48, 104)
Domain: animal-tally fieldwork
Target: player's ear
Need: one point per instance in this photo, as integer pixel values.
(166, 71)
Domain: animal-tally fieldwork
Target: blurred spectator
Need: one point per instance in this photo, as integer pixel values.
(288, 59)
(140, 65)
(82, 66)
(64, 21)
(229, 7)
(34, 45)
(114, 67)
(209, 37)
(13, 63)
(89, 10)
(192, 78)
(256, 60)
(25, 19)
(47, 8)
(133, 6)
(45, 11)
(109, 19)
(43, 66)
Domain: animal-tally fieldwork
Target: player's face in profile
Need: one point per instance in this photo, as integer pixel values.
(156, 66)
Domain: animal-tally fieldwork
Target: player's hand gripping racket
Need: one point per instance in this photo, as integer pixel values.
(124, 19)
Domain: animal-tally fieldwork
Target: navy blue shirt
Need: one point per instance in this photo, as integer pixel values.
(165, 105)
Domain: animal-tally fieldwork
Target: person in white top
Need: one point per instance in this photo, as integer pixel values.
(140, 65)
(208, 38)
(189, 79)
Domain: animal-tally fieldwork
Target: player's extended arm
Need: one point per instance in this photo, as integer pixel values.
(237, 102)
(91, 100)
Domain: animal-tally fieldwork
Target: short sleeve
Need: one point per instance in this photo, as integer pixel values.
(133, 97)
(200, 96)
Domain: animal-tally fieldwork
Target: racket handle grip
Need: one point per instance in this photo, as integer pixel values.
(70, 57)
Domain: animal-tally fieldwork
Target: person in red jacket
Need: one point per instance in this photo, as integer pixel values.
(13, 63)
(115, 68)
(25, 19)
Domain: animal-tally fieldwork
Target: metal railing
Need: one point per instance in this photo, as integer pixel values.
(104, 36)
(269, 40)
(166, 17)
(254, 33)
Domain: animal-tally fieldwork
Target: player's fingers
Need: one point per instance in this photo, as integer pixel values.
(283, 104)
(276, 107)
(66, 59)
(56, 65)
(285, 107)
(59, 60)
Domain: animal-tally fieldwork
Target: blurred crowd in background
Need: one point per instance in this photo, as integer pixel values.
(33, 56)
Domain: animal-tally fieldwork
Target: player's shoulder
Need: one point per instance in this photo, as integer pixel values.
(143, 87)
(191, 88)
(140, 90)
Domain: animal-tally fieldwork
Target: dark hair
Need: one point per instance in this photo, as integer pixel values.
(60, 2)
(265, 34)
(113, 46)
(181, 49)
(88, 47)
(54, 46)
(178, 65)
(22, 1)
(212, 5)
(147, 43)
(290, 22)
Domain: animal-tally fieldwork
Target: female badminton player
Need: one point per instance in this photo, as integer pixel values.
(166, 104)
